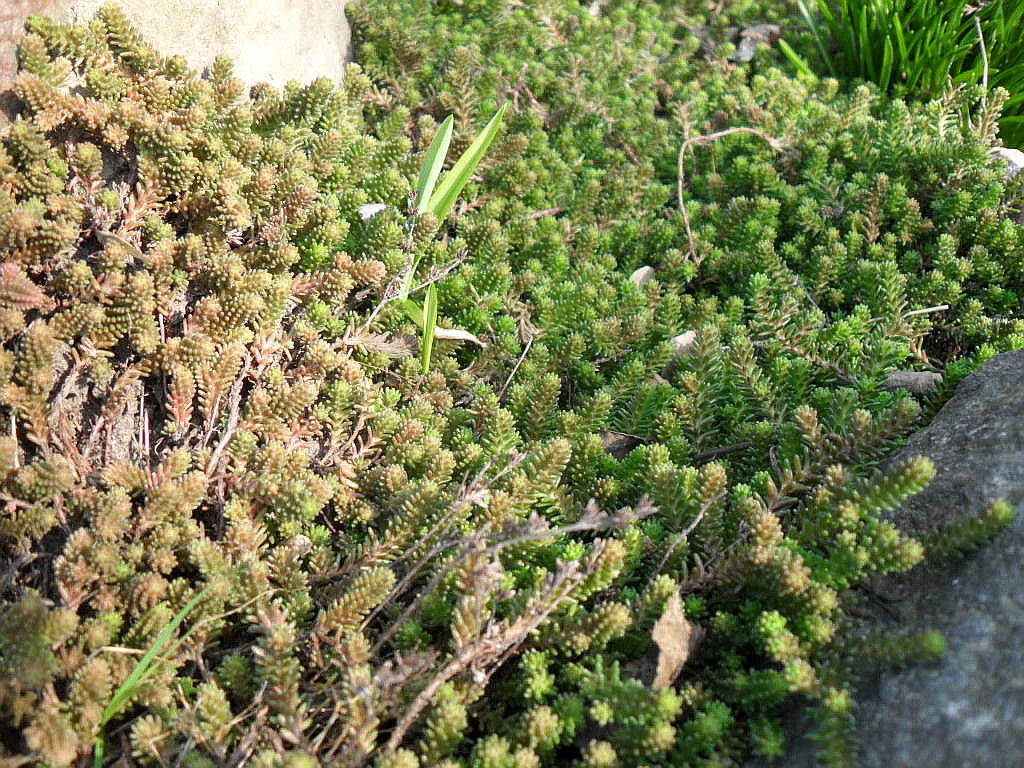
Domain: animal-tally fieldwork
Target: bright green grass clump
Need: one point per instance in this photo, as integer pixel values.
(914, 47)
(218, 400)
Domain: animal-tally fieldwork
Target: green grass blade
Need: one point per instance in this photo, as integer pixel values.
(137, 675)
(901, 41)
(429, 324)
(433, 162)
(794, 58)
(451, 185)
(843, 31)
(812, 24)
(867, 62)
(834, 26)
(886, 74)
(412, 309)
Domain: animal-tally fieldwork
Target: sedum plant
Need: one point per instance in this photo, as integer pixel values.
(138, 674)
(215, 406)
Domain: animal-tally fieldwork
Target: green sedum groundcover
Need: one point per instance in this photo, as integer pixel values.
(624, 516)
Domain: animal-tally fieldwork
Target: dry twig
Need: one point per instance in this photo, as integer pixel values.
(689, 529)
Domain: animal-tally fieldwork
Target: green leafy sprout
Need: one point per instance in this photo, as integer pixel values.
(795, 58)
(439, 202)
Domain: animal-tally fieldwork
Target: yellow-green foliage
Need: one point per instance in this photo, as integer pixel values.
(207, 384)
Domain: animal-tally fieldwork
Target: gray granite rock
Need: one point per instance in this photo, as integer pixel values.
(682, 345)
(1014, 159)
(968, 708)
(915, 382)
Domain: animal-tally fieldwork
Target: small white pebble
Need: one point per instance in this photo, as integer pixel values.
(642, 276)
(368, 211)
(683, 343)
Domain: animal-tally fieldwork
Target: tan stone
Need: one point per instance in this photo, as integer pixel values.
(269, 40)
(12, 22)
(682, 345)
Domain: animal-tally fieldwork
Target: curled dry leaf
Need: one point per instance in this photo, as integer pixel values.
(751, 37)
(107, 238)
(676, 637)
(619, 444)
(395, 347)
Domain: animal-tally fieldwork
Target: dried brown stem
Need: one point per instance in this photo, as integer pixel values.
(494, 645)
(235, 401)
(546, 212)
(394, 289)
(725, 450)
(689, 529)
(519, 362)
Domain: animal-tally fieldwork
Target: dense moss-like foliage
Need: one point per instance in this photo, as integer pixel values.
(210, 386)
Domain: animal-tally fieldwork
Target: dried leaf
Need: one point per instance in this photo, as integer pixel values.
(369, 210)
(676, 638)
(619, 444)
(107, 238)
(456, 334)
(752, 36)
(395, 347)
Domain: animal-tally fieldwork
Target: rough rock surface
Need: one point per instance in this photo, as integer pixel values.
(12, 19)
(269, 40)
(1014, 160)
(967, 709)
(915, 382)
